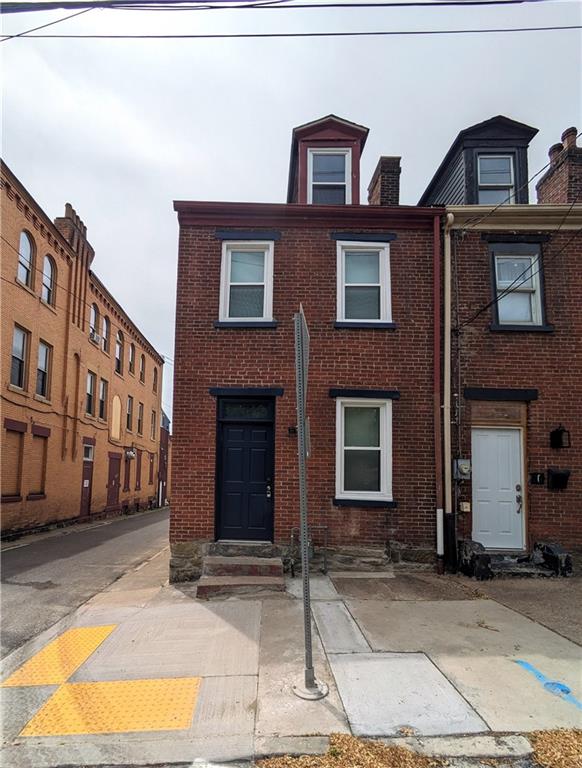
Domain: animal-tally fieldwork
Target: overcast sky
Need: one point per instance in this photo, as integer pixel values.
(122, 128)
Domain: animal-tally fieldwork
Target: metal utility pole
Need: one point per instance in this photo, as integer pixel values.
(312, 688)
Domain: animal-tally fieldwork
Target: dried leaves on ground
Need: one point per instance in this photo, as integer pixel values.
(350, 752)
(558, 749)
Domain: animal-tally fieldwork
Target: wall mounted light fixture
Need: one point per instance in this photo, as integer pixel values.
(560, 438)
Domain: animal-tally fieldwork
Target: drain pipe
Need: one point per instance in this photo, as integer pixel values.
(448, 532)
(438, 446)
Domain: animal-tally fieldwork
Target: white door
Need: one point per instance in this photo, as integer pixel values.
(497, 488)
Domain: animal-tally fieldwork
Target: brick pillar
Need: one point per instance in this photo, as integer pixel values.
(384, 188)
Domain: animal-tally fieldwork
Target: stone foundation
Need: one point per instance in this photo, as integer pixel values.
(186, 560)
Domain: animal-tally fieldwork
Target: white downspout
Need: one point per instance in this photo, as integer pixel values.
(447, 458)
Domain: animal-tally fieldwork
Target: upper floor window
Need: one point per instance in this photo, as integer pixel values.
(129, 414)
(94, 323)
(140, 418)
(155, 383)
(105, 334)
(43, 370)
(103, 399)
(496, 179)
(19, 353)
(131, 359)
(142, 368)
(119, 353)
(247, 281)
(518, 288)
(364, 449)
(363, 283)
(25, 259)
(48, 280)
(90, 397)
(329, 174)
(153, 426)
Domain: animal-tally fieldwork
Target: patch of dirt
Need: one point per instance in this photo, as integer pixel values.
(558, 749)
(350, 752)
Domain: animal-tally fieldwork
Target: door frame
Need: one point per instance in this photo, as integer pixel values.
(525, 507)
(220, 421)
(87, 462)
(117, 506)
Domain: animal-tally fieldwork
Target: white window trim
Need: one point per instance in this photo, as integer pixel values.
(348, 169)
(385, 285)
(385, 493)
(267, 246)
(534, 291)
(485, 185)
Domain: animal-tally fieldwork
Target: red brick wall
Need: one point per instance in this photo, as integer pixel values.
(550, 362)
(305, 271)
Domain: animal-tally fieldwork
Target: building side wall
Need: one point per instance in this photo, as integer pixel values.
(548, 362)
(401, 359)
(63, 412)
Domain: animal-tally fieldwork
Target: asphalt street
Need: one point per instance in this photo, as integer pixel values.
(44, 578)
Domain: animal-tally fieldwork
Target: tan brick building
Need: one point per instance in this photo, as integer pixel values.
(81, 385)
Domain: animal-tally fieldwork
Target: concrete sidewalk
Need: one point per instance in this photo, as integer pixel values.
(144, 673)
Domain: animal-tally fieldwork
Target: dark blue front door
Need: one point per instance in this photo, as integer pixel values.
(245, 488)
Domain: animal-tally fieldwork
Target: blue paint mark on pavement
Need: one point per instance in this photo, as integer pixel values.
(552, 686)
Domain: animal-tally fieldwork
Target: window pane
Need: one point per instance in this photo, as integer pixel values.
(18, 343)
(494, 170)
(495, 196)
(41, 383)
(17, 372)
(362, 303)
(247, 266)
(514, 269)
(43, 356)
(245, 410)
(329, 195)
(515, 308)
(362, 267)
(362, 427)
(329, 168)
(362, 470)
(246, 301)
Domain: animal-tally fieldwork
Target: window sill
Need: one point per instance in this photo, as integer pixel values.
(26, 287)
(47, 305)
(245, 324)
(369, 503)
(501, 328)
(36, 496)
(18, 390)
(116, 373)
(42, 399)
(11, 499)
(361, 324)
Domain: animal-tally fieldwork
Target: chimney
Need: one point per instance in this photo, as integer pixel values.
(562, 182)
(384, 188)
(75, 233)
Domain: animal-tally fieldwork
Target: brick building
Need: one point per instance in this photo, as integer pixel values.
(516, 340)
(366, 276)
(81, 385)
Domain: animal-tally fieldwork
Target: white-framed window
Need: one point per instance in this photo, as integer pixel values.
(363, 449)
(518, 291)
(363, 282)
(495, 179)
(329, 173)
(246, 292)
(88, 453)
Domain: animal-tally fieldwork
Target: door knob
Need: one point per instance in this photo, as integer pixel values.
(519, 500)
(268, 491)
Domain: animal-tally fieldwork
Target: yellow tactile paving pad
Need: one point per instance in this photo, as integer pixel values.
(117, 707)
(58, 660)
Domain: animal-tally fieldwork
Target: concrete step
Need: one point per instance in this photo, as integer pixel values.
(510, 567)
(242, 566)
(212, 586)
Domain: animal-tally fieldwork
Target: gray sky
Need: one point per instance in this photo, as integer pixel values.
(122, 128)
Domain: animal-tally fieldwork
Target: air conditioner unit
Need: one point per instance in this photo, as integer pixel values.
(94, 336)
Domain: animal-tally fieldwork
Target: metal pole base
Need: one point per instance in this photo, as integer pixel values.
(319, 691)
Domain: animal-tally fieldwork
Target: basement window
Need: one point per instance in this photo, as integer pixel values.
(329, 171)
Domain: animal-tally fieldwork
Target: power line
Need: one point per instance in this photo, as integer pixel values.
(279, 35)
(44, 26)
(141, 5)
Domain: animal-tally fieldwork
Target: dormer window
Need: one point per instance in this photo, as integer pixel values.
(329, 173)
(496, 179)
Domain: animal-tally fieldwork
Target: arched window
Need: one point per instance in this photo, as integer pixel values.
(94, 322)
(131, 364)
(116, 418)
(142, 368)
(49, 274)
(25, 259)
(155, 387)
(119, 353)
(105, 333)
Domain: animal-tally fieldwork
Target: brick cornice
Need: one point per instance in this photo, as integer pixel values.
(196, 213)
